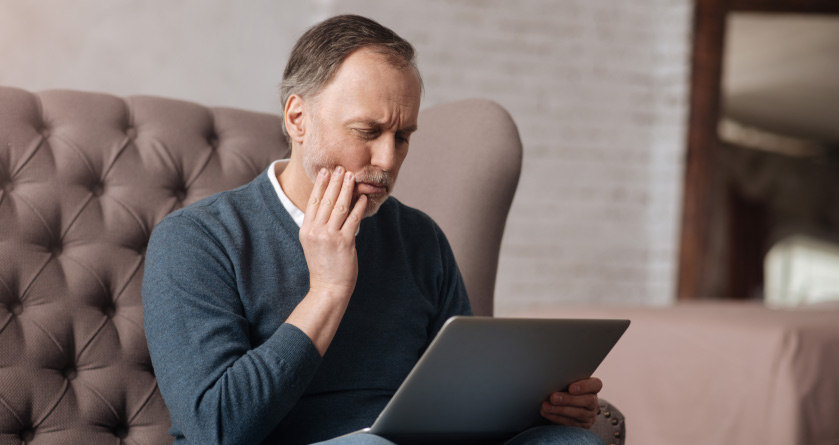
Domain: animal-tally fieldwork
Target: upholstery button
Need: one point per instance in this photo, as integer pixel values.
(180, 194)
(109, 310)
(16, 309)
(56, 249)
(212, 140)
(131, 132)
(614, 421)
(617, 434)
(70, 373)
(45, 133)
(97, 190)
(27, 435)
(121, 432)
(9, 187)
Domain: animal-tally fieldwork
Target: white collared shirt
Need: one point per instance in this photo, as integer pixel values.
(296, 214)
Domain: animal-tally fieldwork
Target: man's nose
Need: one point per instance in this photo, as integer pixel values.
(383, 153)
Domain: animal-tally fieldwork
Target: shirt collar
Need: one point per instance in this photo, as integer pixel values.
(296, 214)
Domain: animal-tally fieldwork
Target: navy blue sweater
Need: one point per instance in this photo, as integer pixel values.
(222, 276)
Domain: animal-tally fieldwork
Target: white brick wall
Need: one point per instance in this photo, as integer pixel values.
(599, 91)
(209, 51)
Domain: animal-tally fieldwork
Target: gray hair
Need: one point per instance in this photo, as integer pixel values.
(322, 49)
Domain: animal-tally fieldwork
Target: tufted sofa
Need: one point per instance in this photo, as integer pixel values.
(84, 178)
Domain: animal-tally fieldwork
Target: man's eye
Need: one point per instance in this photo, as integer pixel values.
(401, 139)
(368, 134)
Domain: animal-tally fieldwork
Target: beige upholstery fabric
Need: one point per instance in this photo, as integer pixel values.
(465, 176)
(723, 373)
(83, 180)
(610, 424)
(85, 177)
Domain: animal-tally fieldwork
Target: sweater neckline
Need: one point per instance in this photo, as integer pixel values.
(272, 202)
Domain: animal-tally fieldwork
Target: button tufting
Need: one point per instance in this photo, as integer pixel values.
(16, 309)
(45, 133)
(70, 373)
(9, 187)
(212, 140)
(109, 310)
(121, 432)
(97, 190)
(56, 249)
(27, 435)
(131, 132)
(180, 194)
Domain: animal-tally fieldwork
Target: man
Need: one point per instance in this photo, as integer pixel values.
(273, 313)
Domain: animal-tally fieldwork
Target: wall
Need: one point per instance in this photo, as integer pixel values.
(205, 51)
(597, 87)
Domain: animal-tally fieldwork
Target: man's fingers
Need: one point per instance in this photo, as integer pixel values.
(330, 195)
(350, 227)
(562, 420)
(319, 188)
(588, 386)
(587, 401)
(571, 412)
(342, 203)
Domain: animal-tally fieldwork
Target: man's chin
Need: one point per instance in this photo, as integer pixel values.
(374, 202)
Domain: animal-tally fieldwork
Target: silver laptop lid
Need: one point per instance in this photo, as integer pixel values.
(486, 377)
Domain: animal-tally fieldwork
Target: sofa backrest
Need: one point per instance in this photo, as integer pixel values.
(84, 178)
(462, 169)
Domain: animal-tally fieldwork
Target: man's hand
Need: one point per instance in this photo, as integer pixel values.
(577, 407)
(328, 234)
(328, 239)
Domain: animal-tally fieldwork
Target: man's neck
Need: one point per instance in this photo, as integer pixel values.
(294, 181)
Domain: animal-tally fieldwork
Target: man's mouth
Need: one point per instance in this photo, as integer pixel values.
(371, 188)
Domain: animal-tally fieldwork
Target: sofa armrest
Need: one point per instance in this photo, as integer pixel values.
(610, 424)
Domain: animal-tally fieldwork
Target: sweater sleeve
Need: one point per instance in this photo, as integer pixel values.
(218, 388)
(453, 299)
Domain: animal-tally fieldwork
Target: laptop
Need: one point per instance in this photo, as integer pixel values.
(483, 379)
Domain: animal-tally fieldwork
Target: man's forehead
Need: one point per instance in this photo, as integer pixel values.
(369, 72)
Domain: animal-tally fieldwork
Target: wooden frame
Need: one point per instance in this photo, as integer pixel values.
(706, 74)
(702, 145)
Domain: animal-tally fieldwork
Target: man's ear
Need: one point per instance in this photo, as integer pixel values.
(295, 118)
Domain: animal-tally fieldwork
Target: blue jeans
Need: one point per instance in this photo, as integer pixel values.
(540, 435)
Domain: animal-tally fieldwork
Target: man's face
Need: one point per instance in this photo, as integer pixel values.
(362, 121)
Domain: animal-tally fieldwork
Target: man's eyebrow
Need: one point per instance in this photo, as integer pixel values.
(372, 123)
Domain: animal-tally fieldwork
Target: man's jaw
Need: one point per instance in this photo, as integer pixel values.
(374, 201)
